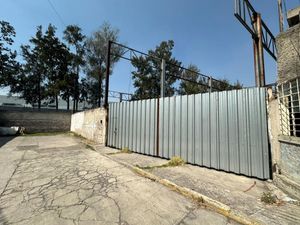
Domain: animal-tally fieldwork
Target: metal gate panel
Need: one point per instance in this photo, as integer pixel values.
(222, 130)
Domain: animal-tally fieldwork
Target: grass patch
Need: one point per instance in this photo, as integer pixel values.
(126, 150)
(268, 198)
(122, 151)
(174, 161)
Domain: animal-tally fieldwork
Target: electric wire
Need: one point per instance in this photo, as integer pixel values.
(57, 14)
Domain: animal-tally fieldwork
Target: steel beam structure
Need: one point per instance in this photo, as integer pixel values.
(261, 35)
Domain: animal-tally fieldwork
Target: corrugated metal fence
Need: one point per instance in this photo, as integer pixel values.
(222, 130)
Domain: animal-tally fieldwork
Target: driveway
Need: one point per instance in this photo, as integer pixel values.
(58, 180)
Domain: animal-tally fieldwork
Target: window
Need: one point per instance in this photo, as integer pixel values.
(289, 107)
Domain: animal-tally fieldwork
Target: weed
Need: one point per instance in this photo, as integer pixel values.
(176, 161)
(268, 198)
(126, 150)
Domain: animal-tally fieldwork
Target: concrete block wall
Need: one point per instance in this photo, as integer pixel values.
(285, 152)
(290, 160)
(35, 121)
(285, 148)
(90, 124)
(288, 48)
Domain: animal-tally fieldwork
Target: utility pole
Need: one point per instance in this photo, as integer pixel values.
(280, 15)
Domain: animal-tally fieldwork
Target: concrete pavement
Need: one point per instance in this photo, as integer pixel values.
(238, 192)
(58, 180)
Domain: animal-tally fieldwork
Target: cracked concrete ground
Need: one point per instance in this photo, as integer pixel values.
(238, 192)
(58, 180)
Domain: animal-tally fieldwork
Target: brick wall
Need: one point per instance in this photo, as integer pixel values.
(288, 48)
(36, 121)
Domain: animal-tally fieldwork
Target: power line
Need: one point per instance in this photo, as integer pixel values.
(56, 12)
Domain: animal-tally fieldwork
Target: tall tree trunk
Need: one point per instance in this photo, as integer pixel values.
(68, 103)
(39, 92)
(74, 95)
(74, 101)
(56, 102)
(100, 88)
(77, 89)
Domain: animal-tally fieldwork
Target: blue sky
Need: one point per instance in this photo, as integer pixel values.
(205, 32)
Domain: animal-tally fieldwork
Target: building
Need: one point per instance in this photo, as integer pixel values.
(287, 158)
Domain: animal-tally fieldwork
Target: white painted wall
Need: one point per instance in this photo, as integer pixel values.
(90, 124)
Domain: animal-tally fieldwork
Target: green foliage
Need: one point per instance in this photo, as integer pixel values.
(75, 39)
(29, 82)
(43, 73)
(56, 57)
(146, 77)
(225, 85)
(96, 56)
(268, 198)
(176, 161)
(52, 70)
(9, 67)
(187, 87)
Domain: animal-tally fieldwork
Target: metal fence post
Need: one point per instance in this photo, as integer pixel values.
(163, 78)
(107, 74)
(106, 90)
(210, 84)
(121, 97)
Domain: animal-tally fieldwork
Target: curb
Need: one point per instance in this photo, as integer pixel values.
(196, 196)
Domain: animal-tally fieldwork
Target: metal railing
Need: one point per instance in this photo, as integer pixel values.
(289, 95)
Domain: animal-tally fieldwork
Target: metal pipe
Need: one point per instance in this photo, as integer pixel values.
(163, 78)
(107, 74)
(121, 97)
(255, 52)
(158, 59)
(106, 91)
(260, 52)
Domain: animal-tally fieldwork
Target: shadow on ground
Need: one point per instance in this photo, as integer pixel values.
(5, 139)
(2, 218)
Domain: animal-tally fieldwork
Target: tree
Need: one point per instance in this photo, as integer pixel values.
(56, 58)
(30, 81)
(43, 73)
(224, 85)
(75, 39)
(186, 87)
(146, 77)
(96, 57)
(9, 67)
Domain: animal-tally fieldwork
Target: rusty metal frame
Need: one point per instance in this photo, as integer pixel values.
(245, 12)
